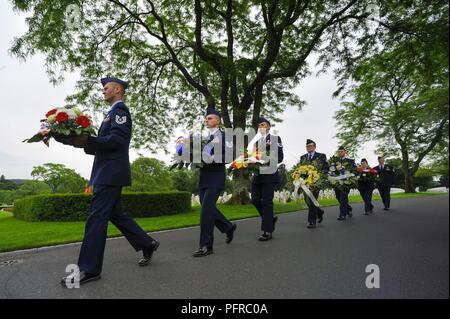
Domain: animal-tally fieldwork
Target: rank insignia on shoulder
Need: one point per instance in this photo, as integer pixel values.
(106, 119)
(121, 119)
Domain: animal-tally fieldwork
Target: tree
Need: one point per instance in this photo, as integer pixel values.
(185, 180)
(59, 178)
(399, 87)
(395, 106)
(242, 57)
(6, 184)
(439, 162)
(423, 179)
(149, 175)
(26, 189)
(34, 188)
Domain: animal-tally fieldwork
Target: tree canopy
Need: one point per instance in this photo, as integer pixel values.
(149, 175)
(59, 178)
(242, 57)
(398, 95)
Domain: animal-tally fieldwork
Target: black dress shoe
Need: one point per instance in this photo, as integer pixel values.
(275, 219)
(230, 234)
(341, 218)
(265, 237)
(386, 208)
(148, 253)
(350, 214)
(311, 225)
(202, 252)
(84, 278)
(320, 216)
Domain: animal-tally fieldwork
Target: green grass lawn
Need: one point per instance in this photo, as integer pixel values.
(17, 234)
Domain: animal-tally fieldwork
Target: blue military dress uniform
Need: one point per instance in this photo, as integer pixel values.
(210, 185)
(366, 188)
(110, 172)
(387, 175)
(342, 194)
(264, 185)
(313, 211)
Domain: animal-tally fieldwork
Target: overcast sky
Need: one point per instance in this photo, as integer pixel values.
(26, 95)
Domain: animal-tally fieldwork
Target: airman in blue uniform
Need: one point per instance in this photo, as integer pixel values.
(211, 184)
(110, 172)
(366, 188)
(387, 176)
(264, 185)
(315, 214)
(342, 194)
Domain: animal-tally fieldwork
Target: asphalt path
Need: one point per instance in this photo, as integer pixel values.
(409, 244)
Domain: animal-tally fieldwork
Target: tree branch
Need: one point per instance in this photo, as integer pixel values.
(163, 39)
(292, 69)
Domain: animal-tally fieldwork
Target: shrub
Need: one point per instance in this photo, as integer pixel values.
(73, 207)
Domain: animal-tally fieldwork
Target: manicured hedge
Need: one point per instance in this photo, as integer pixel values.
(73, 207)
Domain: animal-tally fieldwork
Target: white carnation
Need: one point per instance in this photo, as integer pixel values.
(72, 114)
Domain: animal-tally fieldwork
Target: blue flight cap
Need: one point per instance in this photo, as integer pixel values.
(211, 110)
(116, 80)
(262, 120)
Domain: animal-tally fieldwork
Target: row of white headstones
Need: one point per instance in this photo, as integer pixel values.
(285, 196)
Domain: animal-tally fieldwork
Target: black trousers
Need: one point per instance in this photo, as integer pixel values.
(385, 193)
(366, 194)
(262, 199)
(106, 206)
(313, 210)
(342, 197)
(210, 216)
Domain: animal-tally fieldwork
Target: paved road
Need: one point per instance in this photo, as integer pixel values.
(410, 244)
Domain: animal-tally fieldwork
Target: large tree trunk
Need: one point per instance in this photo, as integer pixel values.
(241, 183)
(241, 187)
(409, 185)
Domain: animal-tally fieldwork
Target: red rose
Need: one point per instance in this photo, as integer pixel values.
(51, 112)
(83, 121)
(62, 117)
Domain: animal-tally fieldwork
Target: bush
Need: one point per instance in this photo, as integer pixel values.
(74, 207)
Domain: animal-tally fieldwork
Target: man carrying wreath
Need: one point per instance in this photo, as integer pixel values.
(264, 185)
(110, 172)
(342, 192)
(315, 214)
